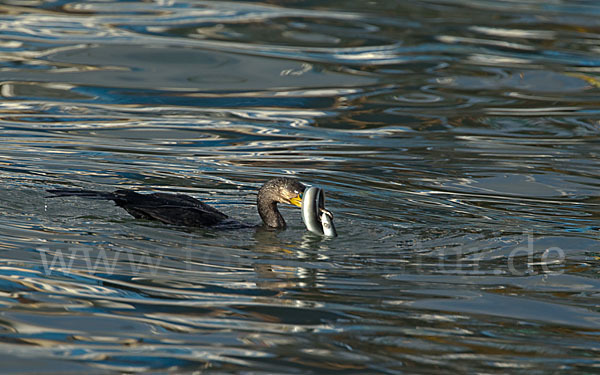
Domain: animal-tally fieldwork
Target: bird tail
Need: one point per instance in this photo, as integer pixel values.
(92, 194)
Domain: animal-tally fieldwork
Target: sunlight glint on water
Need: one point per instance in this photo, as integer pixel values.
(457, 142)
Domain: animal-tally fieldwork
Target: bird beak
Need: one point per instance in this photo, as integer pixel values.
(297, 200)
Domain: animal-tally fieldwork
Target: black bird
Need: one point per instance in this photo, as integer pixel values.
(183, 210)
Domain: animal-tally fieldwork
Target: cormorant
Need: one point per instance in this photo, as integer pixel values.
(183, 210)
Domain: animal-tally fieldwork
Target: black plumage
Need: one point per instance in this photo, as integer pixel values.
(183, 210)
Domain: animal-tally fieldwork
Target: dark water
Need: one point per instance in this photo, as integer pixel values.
(457, 141)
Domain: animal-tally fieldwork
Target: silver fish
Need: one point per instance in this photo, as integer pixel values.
(316, 218)
(327, 223)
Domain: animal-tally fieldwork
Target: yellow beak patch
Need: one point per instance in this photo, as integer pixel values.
(297, 200)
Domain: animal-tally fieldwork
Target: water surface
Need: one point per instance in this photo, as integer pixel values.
(457, 142)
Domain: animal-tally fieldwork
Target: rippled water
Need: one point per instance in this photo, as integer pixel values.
(457, 142)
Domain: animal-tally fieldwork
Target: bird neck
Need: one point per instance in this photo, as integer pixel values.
(267, 209)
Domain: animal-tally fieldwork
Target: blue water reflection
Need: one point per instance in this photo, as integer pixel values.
(456, 141)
